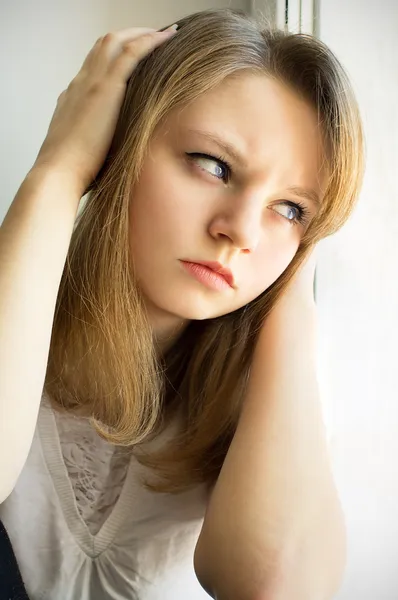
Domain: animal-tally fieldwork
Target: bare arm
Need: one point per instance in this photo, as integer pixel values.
(34, 240)
(36, 233)
(274, 528)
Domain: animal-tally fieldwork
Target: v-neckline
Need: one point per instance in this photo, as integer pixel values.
(92, 545)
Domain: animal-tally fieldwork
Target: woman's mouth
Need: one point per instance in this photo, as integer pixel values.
(207, 276)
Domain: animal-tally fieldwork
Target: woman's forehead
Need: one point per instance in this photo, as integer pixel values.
(256, 122)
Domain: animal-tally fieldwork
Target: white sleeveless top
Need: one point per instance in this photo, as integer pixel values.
(83, 527)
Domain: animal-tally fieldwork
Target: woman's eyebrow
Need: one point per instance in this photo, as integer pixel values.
(227, 147)
(238, 156)
(306, 193)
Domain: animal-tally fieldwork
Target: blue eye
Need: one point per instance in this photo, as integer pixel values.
(302, 213)
(223, 169)
(223, 172)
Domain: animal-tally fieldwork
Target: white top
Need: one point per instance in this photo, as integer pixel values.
(84, 528)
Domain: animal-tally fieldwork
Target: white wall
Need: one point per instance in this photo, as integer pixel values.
(357, 295)
(42, 46)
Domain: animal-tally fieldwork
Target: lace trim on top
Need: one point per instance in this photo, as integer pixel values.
(97, 469)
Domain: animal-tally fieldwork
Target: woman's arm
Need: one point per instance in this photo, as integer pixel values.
(274, 528)
(36, 232)
(34, 240)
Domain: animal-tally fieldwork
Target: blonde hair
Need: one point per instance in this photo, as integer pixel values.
(102, 360)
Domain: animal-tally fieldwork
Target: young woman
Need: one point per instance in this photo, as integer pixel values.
(160, 422)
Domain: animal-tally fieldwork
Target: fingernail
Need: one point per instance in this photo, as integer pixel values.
(167, 32)
(170, 30)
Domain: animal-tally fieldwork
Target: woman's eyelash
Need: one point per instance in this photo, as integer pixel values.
(220, 159)
(303, 216)
(303, 213)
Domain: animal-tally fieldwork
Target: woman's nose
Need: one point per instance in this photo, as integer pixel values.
(240, 220)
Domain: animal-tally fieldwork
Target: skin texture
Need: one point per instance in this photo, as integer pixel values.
(182, 208)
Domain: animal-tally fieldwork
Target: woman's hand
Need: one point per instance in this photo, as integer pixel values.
(295, 311)
(302, 285)
(300, 291)
(83, 124)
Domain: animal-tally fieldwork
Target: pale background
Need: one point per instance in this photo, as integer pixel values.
(42, 45)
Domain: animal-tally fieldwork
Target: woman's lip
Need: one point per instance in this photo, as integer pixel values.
(207, 276)
(220, 269)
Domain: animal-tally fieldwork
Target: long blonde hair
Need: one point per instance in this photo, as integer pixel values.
(102, 360)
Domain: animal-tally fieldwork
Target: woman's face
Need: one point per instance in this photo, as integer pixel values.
(188, 207)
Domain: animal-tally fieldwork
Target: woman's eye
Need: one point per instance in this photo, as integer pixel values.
(215, 166)
(289, 212)
(294, 212)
